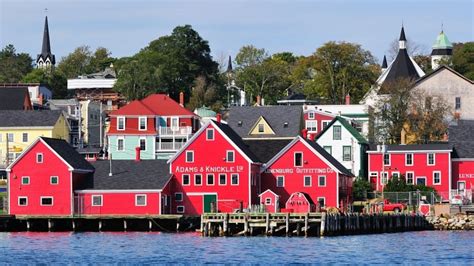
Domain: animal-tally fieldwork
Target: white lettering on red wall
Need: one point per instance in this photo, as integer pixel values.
(300, 171)
(466, 175)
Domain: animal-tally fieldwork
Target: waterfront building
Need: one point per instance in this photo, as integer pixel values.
(42, 180)
(157, 124)
(461, 137)
(345, 144)
(300, 202)
(270, 200)
(419, 164)
(303, 166)
(15, 98)
(214, 171)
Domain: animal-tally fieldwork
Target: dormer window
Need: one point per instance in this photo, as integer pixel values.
(142, 123)
(121, 123)
(285, 124)
(239, 124)
(311, 115)
(261, 128)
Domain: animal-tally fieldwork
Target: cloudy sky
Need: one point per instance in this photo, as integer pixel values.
(298, 26)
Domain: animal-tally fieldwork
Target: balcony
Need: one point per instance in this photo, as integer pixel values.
(169, 146)
(175, 131)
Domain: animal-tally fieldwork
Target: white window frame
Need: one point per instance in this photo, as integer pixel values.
(406, 159)
(12, 139)
(225, 183)
(294, 159)
(140, 143)
(195, 183)
(51, 180)
(383, 178)
(232, 180)
(25, 178)
(23, 137)
(207, 134)
(189, 179)
(213, 179)
(101, 200)
(178, 193)
(283, 181)
(319, 181)
(37, 156)
(186, 159)
(140, 123)
(412, 177)
(344, 147)
(118, 123)
(268, 201)
(136, 200)
(47, 197)
(310, 181)
(174, 127)
(22, 197)
(180, 209)
(436, 183)
(333, 132)
(389, 159)
(428, 158)
(310, 115)
(311, 124)
(227, 156)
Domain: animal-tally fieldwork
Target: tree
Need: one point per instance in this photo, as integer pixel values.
(463, 59)
(424, 61)
(13, 65)
(83, 61)
(204, 93)
(360, 188)
(249, 56)
(171, 64)
(54, 80)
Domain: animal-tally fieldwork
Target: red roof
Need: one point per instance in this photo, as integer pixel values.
(155, 104)
(134, 108)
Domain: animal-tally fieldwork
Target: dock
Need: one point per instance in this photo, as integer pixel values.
(308, 224)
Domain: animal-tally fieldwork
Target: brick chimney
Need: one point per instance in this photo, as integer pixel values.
(181, 99)
(304, 133)
(218, 118)
(137, 154)
(348, 99)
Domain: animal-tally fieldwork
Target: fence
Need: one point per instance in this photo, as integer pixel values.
(412, 198)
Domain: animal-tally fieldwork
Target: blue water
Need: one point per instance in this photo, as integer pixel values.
(455, 248)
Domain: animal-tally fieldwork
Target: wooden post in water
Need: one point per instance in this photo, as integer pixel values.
(323, 224)
(150, 226)
(49, 225)
(73, 225)
(246, 224)
(267, 223)
(306, 227)
(125, 225)
(225, 225)
(27, 225)
(287, 223)
(100, 225)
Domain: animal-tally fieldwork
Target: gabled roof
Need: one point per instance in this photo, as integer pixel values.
(18, 118)
(162, 104)
(259, 121)
(68, 153)
(128, 175)
(133, 108)
(414, 147)
(269, 190)
(14, 98)
(461, 137)
(439, 69)
(266, 149)
(347, 126)
(286, 121)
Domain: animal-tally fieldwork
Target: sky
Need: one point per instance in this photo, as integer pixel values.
(298, 26)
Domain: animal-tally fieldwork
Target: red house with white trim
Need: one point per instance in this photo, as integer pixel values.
(42, 180)
(214, 171)
(300, 202)
(461, 137)
(304, 166)
(426, 164)
(270, 200)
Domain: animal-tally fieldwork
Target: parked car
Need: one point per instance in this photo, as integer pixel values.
(394, 207)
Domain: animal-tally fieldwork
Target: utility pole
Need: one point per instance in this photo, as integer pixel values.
(100, 119)
(7, 160)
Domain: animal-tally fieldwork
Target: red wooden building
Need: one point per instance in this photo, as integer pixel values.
(424, 164)
(270, 200)
(300, 202)
(214, 168)
(460, 135)
(42, 180)
(304, 166)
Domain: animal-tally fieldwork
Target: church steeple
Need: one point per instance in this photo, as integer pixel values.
(402, 42)
(46, 58)
(442, 50)
(384, 63)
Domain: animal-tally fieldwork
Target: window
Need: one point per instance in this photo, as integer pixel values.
(268, 201)
(197, 179)
(25, 137)
(298, 159)
(307, 181)
(409, 159)
(336, 132)
(386, 159)
(186, 180)
(120, 123)
(178, 196)
(222, 179)
(436, 178)
(311, 115)
(322, 180)
(39, 158)
(396, 175)
(431, 159)
(409, 178)
(384, 178)
(230, 157)
(119, 144)
(1, 137)
(189, 156)
(180, 209)
(22, 201)
(54, 180)
(312, 126)
(140, 200)
(261, 128)
(346, 153)
(175, 123)
(142, 123)
(25, 180)
(210, 179)
(421, 180)
(96, 200)
(210, 134)
(234, 179)
(322, 202)
(143, 144)
(324, 124)
(458, 103)
(46, 201)
(10, 137)
(280, 182)
(328, 149)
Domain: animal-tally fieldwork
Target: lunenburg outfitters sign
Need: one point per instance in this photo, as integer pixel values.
(300, 171)
(209, 169)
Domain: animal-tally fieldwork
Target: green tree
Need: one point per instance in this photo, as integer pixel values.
(13, 65)
(360, 188)
(54, 80)
(204, 93)
(83, 61)
(249, 55)
(463, 59)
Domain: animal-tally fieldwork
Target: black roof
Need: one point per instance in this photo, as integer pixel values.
(13, 98)
(20, 118)
(444, 51)
(461, 137)
(401, 68)
(229, 65)
(329, 157)
(266, 149)
(384, 62)
(46, 47)
(129, 174)
(68, 153)
(229, 132)
(402, 35)
(415, 147)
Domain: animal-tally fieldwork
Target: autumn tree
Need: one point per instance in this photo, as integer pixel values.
(13, 65)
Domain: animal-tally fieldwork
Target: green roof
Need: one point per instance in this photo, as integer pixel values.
(442, 42)
(349, 128)
(205, 112)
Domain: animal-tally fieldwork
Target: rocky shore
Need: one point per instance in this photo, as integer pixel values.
(459, 221)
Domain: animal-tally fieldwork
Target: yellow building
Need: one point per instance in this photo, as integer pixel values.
(18, 129)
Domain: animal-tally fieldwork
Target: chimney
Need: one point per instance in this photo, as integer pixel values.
(348, 99)
(137, 154)
(445, 137)
(259, 100)
(218, 118)
(181, 99)
(304, 133)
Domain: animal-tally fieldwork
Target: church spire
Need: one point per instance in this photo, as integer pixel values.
(229, 65)
(46, 58)
(402, 41)
(384, 63)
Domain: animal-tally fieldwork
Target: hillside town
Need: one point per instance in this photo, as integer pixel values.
(101, 150)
